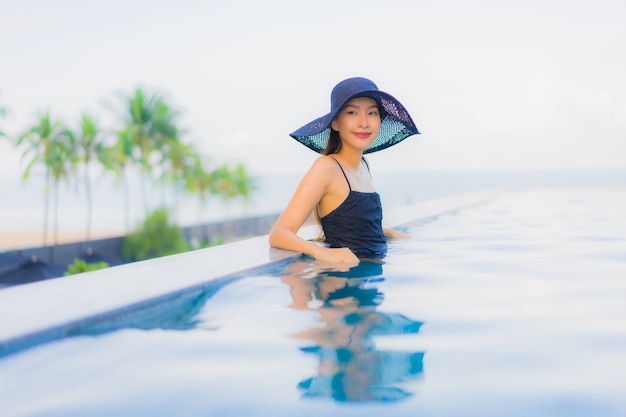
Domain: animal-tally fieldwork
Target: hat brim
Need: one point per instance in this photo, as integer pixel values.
(396, 125)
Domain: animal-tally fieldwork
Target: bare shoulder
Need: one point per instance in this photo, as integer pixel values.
(320, 177)
(325, 163)
(324, 168)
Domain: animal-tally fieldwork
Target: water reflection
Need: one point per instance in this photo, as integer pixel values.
(350, 367)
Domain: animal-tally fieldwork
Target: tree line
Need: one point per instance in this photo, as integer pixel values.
(147, 139)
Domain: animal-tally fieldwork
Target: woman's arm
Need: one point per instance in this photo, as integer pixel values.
(310, 191)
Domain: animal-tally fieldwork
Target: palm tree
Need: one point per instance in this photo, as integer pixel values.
(177, 164)
(234, 183)
(39, 141)
(115, 158)
(136, 132)
(200, 181)
(89, 144)
(62, 162)
(243, 182)
(150, 126)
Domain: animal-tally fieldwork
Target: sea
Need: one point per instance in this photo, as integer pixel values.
(22, 203)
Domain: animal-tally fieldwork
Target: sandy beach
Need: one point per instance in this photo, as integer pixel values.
(15, 240)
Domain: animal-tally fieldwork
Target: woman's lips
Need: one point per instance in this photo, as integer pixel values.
(362, 135)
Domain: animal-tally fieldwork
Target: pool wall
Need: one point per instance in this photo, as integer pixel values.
(29, 264)
(137, 294)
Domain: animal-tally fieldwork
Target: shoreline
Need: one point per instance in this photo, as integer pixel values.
(19, 240)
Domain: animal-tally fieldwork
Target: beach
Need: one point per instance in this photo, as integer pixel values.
(15, 240)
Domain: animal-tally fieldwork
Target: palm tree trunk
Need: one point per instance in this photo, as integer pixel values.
(175, 213)
(46, 208)
(144, 192)
(56, 213)
(89, 203)
(126, 201)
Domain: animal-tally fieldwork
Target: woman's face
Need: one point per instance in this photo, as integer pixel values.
(358, 122)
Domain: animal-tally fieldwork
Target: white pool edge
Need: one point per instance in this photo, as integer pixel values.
(32, 308)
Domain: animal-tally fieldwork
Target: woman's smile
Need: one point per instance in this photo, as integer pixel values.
(358, 122)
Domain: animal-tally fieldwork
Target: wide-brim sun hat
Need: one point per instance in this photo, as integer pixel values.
(396, 123)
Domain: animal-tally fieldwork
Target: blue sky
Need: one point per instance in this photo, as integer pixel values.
(492, 84)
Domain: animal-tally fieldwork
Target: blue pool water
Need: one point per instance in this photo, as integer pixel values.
(516, 307)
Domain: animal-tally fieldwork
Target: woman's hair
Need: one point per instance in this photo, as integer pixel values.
(332, 146)
(334, 143)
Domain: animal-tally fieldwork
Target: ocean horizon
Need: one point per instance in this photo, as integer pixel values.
(22, 202)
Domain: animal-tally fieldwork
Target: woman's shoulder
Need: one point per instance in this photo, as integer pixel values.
(325, 163)
(323, 171)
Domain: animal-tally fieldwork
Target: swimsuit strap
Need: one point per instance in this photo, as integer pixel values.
(367, 165)
(344, 174)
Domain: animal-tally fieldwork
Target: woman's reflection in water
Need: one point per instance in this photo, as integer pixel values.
(350, 367)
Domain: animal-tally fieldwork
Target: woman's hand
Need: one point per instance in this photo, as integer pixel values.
(341, 255)
(394, 234)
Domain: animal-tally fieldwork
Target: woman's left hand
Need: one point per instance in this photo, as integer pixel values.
(394, 234)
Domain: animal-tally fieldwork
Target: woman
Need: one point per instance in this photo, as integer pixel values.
(338, 188)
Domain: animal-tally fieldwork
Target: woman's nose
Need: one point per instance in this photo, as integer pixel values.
(363, 122)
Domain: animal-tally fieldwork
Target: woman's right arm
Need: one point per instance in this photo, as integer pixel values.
(310, 191)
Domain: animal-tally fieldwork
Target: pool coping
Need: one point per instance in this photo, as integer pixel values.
(46, 310)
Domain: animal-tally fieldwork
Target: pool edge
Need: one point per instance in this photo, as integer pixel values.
(40, 312)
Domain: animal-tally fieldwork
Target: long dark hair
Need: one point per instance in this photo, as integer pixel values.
(334, 143)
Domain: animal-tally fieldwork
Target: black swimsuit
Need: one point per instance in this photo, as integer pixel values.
(357, 224)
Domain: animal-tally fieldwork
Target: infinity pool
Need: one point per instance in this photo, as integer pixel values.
(516, 307)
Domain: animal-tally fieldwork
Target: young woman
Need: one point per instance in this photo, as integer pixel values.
(338, 188)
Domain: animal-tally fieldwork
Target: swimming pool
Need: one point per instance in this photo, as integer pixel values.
(513, 307)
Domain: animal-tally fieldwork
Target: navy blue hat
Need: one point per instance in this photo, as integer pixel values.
(396, 124)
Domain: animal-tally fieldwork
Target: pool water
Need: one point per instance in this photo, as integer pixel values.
(516, 307)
